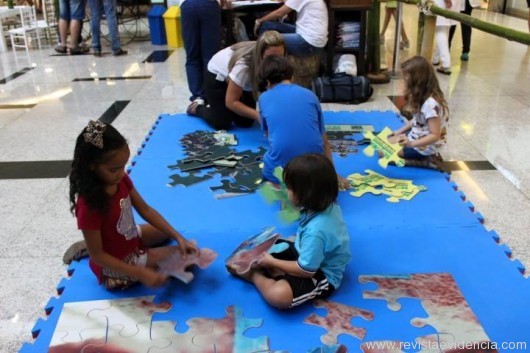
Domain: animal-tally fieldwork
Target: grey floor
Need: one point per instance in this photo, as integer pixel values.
(43, 110)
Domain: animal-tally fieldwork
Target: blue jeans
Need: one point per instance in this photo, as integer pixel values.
(72, 10)
(294, 43)
(96, 10)
(201, 31)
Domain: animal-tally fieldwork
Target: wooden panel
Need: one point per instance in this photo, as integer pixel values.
(351, 4)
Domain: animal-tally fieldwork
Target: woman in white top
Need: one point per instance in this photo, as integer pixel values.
(231, 82)
(310, 33)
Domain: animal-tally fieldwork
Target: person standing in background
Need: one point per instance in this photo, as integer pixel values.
(442, 56)
(71, 16)
(465, 7)
(97, 8)
(201, 32)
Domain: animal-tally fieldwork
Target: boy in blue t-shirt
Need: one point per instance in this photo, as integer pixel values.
(291, 117)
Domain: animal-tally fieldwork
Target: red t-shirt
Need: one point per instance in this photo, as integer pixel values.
(119, 235)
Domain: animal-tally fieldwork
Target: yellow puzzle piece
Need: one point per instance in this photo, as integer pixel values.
(380, 142)
(377, 184)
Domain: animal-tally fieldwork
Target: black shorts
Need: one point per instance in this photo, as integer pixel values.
(304, 289)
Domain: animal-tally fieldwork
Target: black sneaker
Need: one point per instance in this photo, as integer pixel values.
(120, 52)
(97, 53)
(61, 49)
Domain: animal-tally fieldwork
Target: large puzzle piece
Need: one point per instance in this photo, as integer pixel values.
(372, 182)
(251, 250)
(226, 335)
(338, 320)
(449, 312)
(176, 266)
(342, 137)
(119, 324)
(271, 193)
(389, 150)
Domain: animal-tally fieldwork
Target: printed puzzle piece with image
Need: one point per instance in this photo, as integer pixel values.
(338, 320)
(389, 150)
(251, 250)
(448, 310)
(102, 325)
(377, 184)
(227, 334)
(335, 348)
(176, 266)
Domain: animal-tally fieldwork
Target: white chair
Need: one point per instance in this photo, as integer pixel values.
(24, 35)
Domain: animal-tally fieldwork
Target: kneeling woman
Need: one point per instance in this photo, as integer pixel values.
(231, 82)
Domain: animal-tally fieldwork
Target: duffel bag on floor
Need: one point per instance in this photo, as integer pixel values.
(342, 88)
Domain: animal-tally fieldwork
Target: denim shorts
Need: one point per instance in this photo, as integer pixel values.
(412, 153)
(72, 10)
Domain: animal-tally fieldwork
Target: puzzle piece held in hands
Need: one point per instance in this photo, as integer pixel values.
(176, 266)
(380, 142)
(251, 250)
(338, 320)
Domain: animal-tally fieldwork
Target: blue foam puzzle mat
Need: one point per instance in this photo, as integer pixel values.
(436, 232)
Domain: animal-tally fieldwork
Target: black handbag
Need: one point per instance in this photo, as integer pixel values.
(342, 88)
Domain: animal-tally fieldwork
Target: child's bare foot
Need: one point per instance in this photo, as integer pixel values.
(247, 276)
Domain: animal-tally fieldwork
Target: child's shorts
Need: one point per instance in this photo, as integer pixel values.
(412, 153)
(304, 289)
(116, 280)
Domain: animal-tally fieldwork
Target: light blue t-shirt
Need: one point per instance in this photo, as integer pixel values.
(323, 242)
(292, 117)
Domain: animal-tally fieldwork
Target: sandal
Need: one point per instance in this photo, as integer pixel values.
(76, 251)
(61, 49)
(444, 70)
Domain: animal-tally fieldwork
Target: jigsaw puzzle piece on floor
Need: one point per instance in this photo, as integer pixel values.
(380, 142)
(176, 266)
(188, 180)
(227, 334)
(338, 320)
(336, 348)
(251, 250)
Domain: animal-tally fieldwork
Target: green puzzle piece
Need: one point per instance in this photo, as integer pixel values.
(377, 184)
(270, 193)
(380, 142)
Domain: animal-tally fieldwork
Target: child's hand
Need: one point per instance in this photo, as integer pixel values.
(344, 184)
(266, 260)
(152, 278)
(187, 247)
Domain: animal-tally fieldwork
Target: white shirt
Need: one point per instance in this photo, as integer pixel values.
(311, 20)
(455, 6)
(430, 109)
(240, 73)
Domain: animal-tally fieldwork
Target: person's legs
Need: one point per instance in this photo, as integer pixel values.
(277, 26)
(452, 30)
(466, 33)
(190, 17)
(297, 46)
(386, 21)
(95, 18)
(442, 45)
(77, 8)
(152, 237)
(210, 36)
(64, 18)
(249, 101)
(216, 114)
(277, 293)
(109, 6)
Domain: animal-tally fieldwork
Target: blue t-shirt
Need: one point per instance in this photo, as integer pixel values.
(322, 242)
(292, 117)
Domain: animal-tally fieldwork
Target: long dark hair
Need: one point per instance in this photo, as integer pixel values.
(83, 180)
(313, 180)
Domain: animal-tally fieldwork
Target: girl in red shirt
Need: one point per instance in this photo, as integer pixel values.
(102, 198)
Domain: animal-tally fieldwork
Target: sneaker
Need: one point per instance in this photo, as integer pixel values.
(61, 49)
(119, 52)
(78, 50)
(97, 53)
(464, 57)
(444, 70)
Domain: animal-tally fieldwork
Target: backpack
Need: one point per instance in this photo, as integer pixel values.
(342, 88)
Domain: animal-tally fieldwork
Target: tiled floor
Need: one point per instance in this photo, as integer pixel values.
(46, 100)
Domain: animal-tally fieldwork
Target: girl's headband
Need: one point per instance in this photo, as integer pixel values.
(94, 133)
